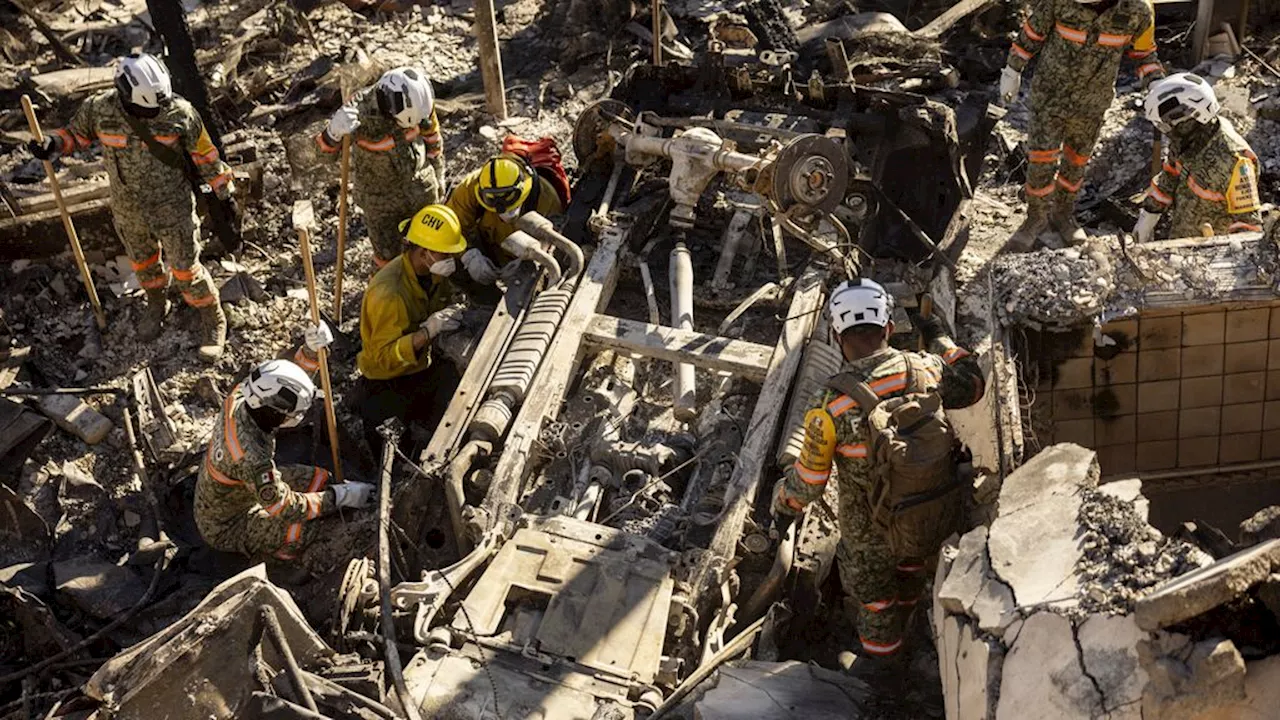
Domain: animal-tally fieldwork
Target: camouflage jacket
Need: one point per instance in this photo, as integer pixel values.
(392, 165)
(238, 478)
(949, 369)
(1080, 51)
(1210, 176)
(139, 179)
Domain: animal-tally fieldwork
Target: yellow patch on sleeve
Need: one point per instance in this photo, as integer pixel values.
(1146, 40)
(1242, 189)
(819, 440)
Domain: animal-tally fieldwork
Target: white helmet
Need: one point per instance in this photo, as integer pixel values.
(1178, 98)
(143, 80)
(281, 386)
(406, 95)
(859, 302)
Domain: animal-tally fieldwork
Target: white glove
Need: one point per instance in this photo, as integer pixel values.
(343, 122)
(1010, 84)
(1145, 228)
(479, 267)
(317, 336)
(353, 494)
(443, 321)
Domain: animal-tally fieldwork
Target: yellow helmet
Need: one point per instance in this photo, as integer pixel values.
(436, 228)
(505, 183)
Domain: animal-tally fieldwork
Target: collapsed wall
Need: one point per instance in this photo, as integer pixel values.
(1070, 605)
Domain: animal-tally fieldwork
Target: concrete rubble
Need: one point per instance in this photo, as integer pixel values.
(1070, 603)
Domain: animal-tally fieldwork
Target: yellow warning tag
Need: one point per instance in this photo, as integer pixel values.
(819, 440)
(1242, 190)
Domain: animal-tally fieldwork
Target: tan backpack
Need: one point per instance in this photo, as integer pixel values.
(914, 494)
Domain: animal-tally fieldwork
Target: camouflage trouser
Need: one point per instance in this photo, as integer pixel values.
(383, 214)
(883, 589)
(1058, 149)
(151, 240)
(262, 535)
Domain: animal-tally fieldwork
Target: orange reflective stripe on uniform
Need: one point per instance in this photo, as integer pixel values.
(155, 282)
(207, 158)
(852, 450)
(325, 147)
(148, 262)
(214, 473)
(1040, 191)
(313, 507)
(841, 405)
(888, 384)
(382, 145)
(876, 648)
(220, 180)
(167, 139)
(954, 355)
(294, 534)
(412, 134)
(1109, 40)
(229, 436)
(1172, 169)
(112, 140)
(1243, 227)
(1155, 193)
(319, 479)
(1030, 31)
(433, 152)
(1068, 33)
(1139, 54)
(1043, 157)
(1148, 68)
(811, 477)
(302, 360)
(65, 138)
(1074, 157)
(1021, 51)
(1068, 185)
(276, 508)
(432, 138)
(1203, 193)
(878, 605)
(186, 275)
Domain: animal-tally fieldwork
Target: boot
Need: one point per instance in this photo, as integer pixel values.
(213, 332)
(157, 306)
(1063, 221)
(883, 673)
(1024, 238)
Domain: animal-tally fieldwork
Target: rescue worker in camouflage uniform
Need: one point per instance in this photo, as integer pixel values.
(397, 153)
(244, 503)
(1080, 43)
(1210, 175)
(883, 588)
(152, 204)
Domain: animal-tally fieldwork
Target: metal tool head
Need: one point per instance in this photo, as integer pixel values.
(304, 215)
(812, 171)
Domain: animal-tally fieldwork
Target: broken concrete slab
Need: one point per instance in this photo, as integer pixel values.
(994, 607)
(1109, 646)
(1129, 491)
(968, 573)
(978, 665)
(782, 691)
(71, 414)
(100, 589)
(1264, 525)
(1212, 677)
(1043, 671)
(198, 666)
(1202, 590)
(1060, 469)
(948, 653)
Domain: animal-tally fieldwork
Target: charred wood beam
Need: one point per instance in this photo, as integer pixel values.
(171, 23)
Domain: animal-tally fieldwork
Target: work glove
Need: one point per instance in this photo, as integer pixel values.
(1010, 84)
(781, 511)
(317, 337)
(343, 123)
(46, 149)
(479, 267)
(510, 272)
(1145, 228)
(353, 494)
(443, 321)
(931, 328)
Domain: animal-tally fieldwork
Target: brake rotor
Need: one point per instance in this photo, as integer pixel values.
(352, 596)
(812, 171)
(589, 140)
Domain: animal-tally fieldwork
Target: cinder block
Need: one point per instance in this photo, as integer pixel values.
(1122, 368)
(1157, 426)
(1115, 400)
(1200, 422)
(1244, 357)
(1270, 445)
(1196, 452)
(1079, 432)
(1243, 387)
(1159, 455)
(1242, 418)
(1072, 404)
(1201, 392)
(1159, 364)
(1241, 447)
(1273, 385)
(1160, 332)
(1271, 415)
(1117, 459)
(1157, 396)
(1273, 354)
(1115, 431)
(1073, 373)
(1248, 325)
(1203, 328)
(1202, 360)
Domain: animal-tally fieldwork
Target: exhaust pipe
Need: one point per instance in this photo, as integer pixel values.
(524, 246)
(684, 388)
(543, 229)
